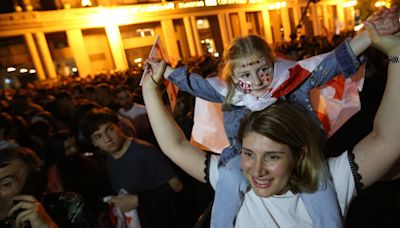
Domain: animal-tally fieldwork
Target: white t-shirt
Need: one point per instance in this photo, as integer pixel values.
(288, 210)
(137, 109)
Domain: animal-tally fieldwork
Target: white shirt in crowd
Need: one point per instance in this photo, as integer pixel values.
(136, 109)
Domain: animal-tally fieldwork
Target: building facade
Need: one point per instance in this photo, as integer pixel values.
(118, 36)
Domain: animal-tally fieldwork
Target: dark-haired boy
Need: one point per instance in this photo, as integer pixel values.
(138, 168)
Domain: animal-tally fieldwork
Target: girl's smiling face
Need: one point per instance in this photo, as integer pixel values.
(266, 164)
(253, 75)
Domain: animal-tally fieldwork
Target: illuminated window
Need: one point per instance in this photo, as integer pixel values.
(86, 3)
(145, 32)
(203, 24)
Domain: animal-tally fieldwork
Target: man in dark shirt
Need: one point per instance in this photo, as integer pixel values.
(138, 168)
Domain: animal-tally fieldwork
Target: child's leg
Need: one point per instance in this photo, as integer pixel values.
(228, 194)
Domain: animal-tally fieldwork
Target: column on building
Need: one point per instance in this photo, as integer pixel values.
(244, 30)
(190, 35)
(287, 29)
(352, 13)
(171, 46)
(30, 42)
(222, 21)
(327, 17)
(296, 16)
(267, 26)
(340, 17)
(229, 26)
(45, 54)
(196, 35)
(78, 49)
(314, 19)
(117, 47)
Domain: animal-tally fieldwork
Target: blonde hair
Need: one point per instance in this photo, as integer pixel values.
(247, 46)
(291, 125)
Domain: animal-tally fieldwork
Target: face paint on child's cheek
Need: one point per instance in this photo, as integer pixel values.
(266, 78)
(245, 86)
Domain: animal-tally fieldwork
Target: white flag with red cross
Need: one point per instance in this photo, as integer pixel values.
(334, 102)
(158, 52)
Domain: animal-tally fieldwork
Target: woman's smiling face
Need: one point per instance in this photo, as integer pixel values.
(266, 164)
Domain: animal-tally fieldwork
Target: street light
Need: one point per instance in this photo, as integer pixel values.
(349, 4)
(11, 69)
(380, 3)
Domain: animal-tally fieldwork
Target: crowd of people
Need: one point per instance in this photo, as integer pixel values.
(67, 146)
(50, 121)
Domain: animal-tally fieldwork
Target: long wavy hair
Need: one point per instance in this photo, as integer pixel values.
(291, 125)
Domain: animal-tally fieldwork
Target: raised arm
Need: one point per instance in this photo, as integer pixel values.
(378, 151)
(169, 136)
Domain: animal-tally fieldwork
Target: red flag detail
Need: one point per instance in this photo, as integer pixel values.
(172, 91)
(297, 75)
(324, 119)
(338, 84)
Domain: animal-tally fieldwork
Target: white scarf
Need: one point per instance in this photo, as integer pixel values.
(250, 101)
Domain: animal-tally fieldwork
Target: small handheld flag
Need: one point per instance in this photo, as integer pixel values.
(152, 54)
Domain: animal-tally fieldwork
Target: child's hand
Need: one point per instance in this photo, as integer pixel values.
(386, 20)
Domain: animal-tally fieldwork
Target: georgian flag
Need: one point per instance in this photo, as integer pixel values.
(158, 52)
(334, 103)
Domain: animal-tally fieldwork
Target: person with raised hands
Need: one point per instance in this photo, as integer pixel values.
(281, 155)
(254, 79)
